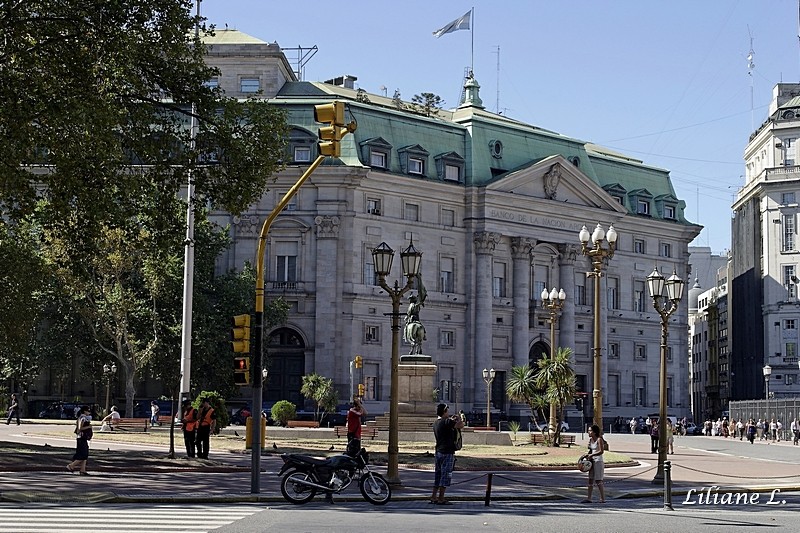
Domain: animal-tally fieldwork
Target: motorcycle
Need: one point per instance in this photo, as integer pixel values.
(306, 475)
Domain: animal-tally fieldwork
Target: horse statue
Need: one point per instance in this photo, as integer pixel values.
(414, 331)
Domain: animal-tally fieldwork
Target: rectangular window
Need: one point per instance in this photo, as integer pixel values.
(452, 173)
(640, 390)
(791, 350)
(374, 206)
(669, 353)
(788, 283)
(639, 296)
(446, 280)
(499, 280)
(447, 339)
(292, 205)
(249, 85)
(538, 287)
(416, 166)
(213, 83)
(377, 159)
(788, 233)
(580, 291)
(787, 198)
(286, 268)
(789, 324)
(371, 382)
(666, 249)
(448, 217)
(370, 276)
(669, 212)
(613, 390)
(302, 154)
(669, 391)
(638, 246)
(372, 333)
(613, 292)
(640, 352)
(643, 207)
(613, 350)
(411, 212)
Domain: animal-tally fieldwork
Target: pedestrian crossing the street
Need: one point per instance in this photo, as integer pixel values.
(119, 518)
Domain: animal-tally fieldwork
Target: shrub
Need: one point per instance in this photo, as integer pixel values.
(283, 411)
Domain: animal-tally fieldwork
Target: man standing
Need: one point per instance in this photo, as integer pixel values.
(189, 422)
(444, 429)
(13, 410)
(354, 426)
(633, 425)
(207, 420)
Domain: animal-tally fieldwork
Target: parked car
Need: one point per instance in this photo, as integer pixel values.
(692, 429)
(543, 426)
(60, 410)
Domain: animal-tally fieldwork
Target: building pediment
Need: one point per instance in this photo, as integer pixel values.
(555, 178)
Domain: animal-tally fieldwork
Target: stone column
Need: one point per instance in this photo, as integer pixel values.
(521, 255)
(485, 243)
(327, 310)
(566, 277)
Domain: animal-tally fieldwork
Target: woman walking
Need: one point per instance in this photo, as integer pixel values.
(83, 434)
(596, 448)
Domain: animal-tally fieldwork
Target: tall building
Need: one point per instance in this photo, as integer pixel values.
(765, 311)
(495, 205)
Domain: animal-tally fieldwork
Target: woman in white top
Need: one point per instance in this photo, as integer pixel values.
(595, 454)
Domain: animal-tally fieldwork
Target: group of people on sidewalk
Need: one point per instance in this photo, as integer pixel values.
(763, 429)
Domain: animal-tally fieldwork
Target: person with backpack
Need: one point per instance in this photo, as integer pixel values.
(83, 434)
(446, 429)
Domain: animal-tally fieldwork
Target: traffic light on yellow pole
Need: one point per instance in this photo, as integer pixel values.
(240, 334)
(359, 362)
(361, 390)
(331, 135)
(241, 370)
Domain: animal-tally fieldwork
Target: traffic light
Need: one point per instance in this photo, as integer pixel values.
(240, 334)
(241, 370)
(358, 361)
(331, 135)
(361, 390)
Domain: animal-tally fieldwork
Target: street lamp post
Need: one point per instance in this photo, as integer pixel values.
(108, 373)
(458, 388)
(488, 377)
(410, 259)
(767, 373)
(665, 305)
(553, 302)
(597, 254)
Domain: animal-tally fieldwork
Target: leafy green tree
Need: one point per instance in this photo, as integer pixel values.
(321, 390)
(521, 387)
(556, 376)
(427, 104)
(217, 401)
(283, 411)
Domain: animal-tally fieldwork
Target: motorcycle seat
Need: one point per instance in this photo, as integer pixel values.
(309, 459)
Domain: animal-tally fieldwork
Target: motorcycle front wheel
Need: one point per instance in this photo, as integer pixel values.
(295, 492)
(375, 489)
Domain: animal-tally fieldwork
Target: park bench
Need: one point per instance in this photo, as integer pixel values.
(366, 431)
(166, 420)
(302, 424)
(565, 438)
(483, 428)
(131, 424)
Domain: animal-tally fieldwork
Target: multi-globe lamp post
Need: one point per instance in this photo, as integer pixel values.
(553, 302)
(598, 253)
(411, 260)
(488, 377)
(666, 295)
(109, 372)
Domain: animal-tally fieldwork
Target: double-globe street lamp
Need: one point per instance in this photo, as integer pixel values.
(553, 302)
(488, 377)
(767, 370)
(410, 259)
(108, 373)
(665, 305)
(598, 254)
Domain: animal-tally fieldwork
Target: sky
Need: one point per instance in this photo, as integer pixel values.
(665, 82)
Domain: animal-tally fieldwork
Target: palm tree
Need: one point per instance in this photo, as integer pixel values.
(521, 387)
(557, 378)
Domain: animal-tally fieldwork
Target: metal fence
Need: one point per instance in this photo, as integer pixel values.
(781, 409)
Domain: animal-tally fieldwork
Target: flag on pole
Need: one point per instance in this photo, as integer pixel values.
(461, 23)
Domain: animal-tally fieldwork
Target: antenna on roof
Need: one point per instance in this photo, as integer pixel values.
(497, 97)
(750, 66)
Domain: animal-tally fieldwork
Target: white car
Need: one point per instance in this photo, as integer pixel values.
(544, 426)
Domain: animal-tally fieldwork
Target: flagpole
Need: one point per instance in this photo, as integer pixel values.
(472, 35)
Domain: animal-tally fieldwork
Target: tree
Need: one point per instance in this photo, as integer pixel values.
(321, 390)
(556, 376)
(521, 387)
(95, 100)
(427, 104)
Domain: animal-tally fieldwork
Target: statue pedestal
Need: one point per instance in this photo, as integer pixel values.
(415, 386)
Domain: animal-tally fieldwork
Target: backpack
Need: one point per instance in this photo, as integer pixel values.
(87, 433)
(457, 440)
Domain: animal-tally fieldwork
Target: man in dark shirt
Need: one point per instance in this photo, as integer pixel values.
(444, 429)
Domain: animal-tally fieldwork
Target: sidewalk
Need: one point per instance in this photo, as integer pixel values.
(693, 468)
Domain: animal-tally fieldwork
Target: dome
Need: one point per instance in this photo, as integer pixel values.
(694, 295)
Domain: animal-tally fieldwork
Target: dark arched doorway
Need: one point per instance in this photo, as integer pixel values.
(285, 356)
(538, 351)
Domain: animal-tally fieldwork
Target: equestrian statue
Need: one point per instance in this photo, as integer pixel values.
(414, 331)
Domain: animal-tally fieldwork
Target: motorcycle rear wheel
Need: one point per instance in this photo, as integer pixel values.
(375, 488)
(297, 493)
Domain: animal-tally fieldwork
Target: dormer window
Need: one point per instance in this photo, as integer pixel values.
(301, 146)
(643, 207)
(302, 154)
(413, 160)
(376, 153)
(640, 201)
(669, 212)
(377, 159)
(450, 167)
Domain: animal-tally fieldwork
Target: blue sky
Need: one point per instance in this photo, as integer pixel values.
(666, 82)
